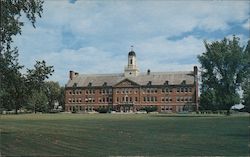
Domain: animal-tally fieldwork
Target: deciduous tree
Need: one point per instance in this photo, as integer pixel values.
(224, 66)
(12, 89)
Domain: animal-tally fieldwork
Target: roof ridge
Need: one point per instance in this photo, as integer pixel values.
(110, 74)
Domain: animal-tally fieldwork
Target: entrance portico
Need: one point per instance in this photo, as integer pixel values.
(125, 107)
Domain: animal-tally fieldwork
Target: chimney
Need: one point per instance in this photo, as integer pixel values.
(148, 72)
(72, 74)
(195, 70)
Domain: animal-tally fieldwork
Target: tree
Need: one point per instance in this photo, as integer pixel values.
(224, 66)
(38, 101)
(36, 78)
(246, 84)
(12, 90)
(11, 11)
(61, 98)
(246, 95)
(53, 93)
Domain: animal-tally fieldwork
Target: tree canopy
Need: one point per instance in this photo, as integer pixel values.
(16, 88)
(224, 67)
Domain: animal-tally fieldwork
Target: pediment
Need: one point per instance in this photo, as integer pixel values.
(126, 83)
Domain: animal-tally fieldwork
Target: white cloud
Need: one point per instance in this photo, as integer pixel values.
(104, 30)
(246, 25)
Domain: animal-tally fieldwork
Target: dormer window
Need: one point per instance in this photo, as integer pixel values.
(149, 82)
(75, 85)
(166, 83)
(105, 84)
(183, 82)
(90, 84)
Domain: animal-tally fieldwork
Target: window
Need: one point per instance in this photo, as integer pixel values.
(186, 89)
(190, 90)
(190, 99)
(178, 99)
(148, 98)
(167, 99)
(170, 90)
(162, 99)
(130, 99)
(155, 98)
(152, 98)
(117, 92)
(163, 90)
(131, 61)
(117, 99)
(136, 99)
(170, 99)
(186, 99)
(144, 98)
(126, 99)
(70, 101)
(143, 91)
(178, 90)
(182, 90)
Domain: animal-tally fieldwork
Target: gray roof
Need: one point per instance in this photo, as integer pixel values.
(156, 78)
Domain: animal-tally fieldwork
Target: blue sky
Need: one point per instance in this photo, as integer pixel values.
(95, 36)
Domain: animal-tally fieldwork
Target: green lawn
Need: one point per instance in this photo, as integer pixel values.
(123, 135)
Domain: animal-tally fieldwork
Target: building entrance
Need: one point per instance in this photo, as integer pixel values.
(125, 107)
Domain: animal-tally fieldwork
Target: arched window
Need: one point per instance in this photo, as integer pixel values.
(131, 61)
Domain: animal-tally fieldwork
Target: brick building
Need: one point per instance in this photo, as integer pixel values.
(132, 90)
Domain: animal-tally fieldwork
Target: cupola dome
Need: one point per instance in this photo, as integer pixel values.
(131, 53)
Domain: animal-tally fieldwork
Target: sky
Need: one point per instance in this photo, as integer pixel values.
(92, 37)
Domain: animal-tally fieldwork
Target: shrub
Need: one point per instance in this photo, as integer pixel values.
(102, 110)
(150, 109)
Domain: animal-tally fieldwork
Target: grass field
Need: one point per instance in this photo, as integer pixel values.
(123, 135)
